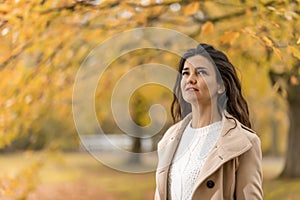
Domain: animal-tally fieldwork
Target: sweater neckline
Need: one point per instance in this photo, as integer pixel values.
(206, 129)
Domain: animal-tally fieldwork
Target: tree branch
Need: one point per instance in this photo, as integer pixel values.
(231, 15)
(80, 3)
(2, 23)
(224, 17)
(16, 52)
(152, 5)
(69, 7)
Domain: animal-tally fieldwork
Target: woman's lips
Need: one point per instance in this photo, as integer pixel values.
(191, 89)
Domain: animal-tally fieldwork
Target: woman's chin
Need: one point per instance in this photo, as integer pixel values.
(192, 99)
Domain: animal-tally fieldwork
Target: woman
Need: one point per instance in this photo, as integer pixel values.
(210, 152)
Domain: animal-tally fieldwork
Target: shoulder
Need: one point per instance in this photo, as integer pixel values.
(237, 137)
(240, 130)
(250, 134)
(244, 142)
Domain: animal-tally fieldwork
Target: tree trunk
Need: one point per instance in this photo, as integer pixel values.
(136, 149)
(137, 146)
(274, 128)
(292, 163)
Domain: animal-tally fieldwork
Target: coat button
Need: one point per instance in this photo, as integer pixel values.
(210, 184)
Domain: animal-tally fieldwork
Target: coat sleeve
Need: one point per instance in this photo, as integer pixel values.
(249, 173)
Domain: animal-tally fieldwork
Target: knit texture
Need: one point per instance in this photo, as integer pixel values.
(190, 156)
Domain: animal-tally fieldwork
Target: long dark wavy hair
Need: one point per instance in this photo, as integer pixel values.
(231, 100)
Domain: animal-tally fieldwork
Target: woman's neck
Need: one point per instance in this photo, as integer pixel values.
(204, 115)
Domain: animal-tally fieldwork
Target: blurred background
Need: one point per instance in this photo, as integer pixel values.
(43, 44)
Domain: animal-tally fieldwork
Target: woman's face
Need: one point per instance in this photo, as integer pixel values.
(198, 83)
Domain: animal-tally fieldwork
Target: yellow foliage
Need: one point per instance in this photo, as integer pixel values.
(277, 52)
(43, 45)
(191, 8)
(295, 52)
(267, 41)
(19, 185)
(250, 32)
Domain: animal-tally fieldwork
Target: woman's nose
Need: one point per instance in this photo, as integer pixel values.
(192, 78)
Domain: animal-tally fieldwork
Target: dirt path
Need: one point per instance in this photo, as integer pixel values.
(76, 191)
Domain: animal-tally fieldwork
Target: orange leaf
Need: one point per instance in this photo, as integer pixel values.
(248, 11)
(298, 41)
(229, 37)
(191, 8)
(207, 28)
(4, 8)
(225, 38)
(294, 80)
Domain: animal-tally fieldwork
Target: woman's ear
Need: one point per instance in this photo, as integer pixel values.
(221, 89)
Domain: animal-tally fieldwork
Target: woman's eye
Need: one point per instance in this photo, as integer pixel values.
(202, 72)
(185, 73)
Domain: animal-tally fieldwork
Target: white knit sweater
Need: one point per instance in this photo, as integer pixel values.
(193, 149)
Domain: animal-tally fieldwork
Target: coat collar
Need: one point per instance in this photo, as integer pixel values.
(230, 144)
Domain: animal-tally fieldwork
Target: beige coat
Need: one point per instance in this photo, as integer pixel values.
(232, 169)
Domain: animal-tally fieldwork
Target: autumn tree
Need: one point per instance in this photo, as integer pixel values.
(43, 43)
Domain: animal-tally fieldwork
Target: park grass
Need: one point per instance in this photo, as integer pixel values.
(282, 189)
(81, 170)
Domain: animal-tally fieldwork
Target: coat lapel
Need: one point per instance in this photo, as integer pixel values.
(231, 144)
